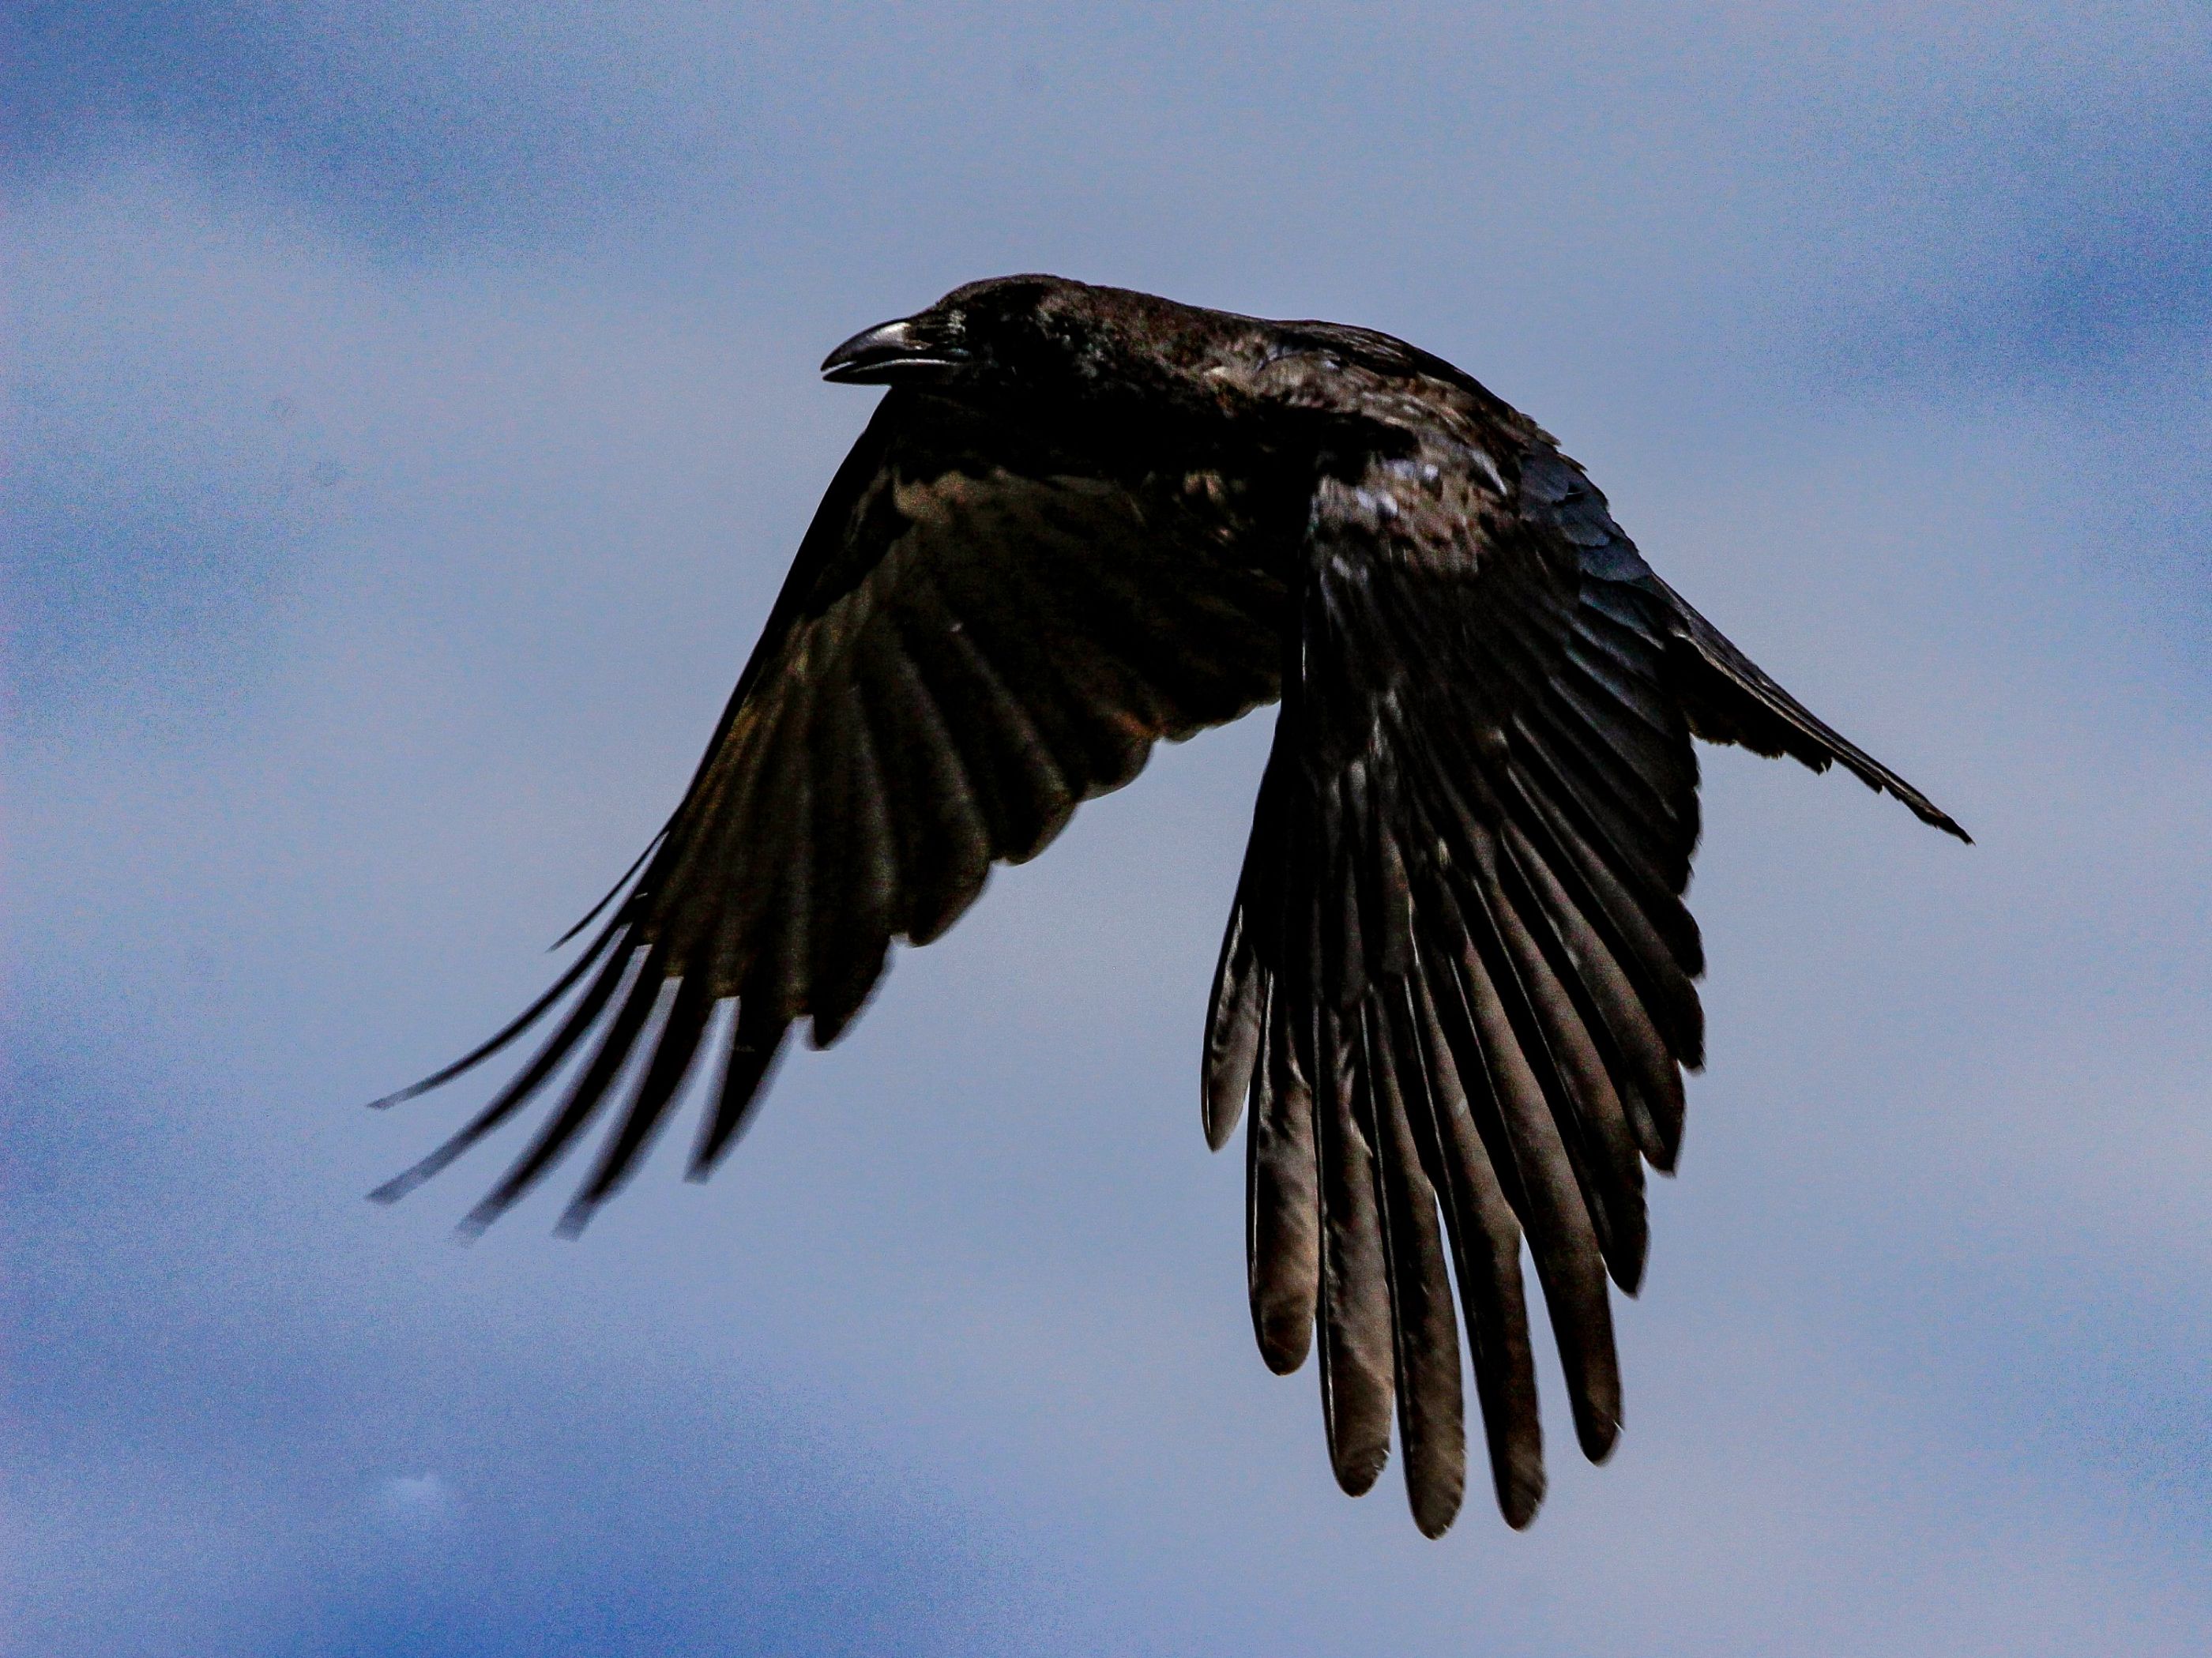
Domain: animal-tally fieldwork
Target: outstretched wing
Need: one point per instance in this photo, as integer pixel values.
(1456, 987)
(979, 631)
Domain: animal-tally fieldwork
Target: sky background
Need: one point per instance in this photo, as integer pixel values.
(409, 412)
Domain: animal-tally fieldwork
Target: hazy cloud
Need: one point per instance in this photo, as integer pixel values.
(953, 1356)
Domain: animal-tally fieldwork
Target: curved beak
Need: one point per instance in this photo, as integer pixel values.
(894, 353)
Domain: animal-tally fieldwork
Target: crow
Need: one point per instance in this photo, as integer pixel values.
(1456, 997)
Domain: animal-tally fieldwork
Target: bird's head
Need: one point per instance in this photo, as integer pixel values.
(1047, 338)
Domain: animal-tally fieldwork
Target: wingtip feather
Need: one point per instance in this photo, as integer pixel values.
(1599, 1433)
(1435, 1509)
(1518, 1505)
(396, 1188)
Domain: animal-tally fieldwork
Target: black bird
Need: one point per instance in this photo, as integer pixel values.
(1455, 996)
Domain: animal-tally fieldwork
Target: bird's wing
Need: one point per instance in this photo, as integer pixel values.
(977, 633)
(1456, 991)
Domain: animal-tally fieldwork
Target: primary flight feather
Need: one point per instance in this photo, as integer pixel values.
(1456, 997)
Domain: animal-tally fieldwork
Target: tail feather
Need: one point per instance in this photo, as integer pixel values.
(1730, 699)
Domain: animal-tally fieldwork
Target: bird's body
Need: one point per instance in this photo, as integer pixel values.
(1455, 995)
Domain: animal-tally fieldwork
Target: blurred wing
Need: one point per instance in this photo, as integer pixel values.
(1456, 987)
(978, 633)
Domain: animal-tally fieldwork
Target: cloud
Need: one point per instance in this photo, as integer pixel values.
(411, 126)
(168, 476)
(953, 1356)
(416, 1503)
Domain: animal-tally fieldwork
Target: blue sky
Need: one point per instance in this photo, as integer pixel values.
(408, 422)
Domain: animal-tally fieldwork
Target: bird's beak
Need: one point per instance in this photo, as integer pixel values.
(911, 349)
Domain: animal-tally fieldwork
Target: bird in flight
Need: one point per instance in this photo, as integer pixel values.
(1456, 997)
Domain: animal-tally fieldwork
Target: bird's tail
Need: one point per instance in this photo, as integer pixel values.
(1730, 699)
